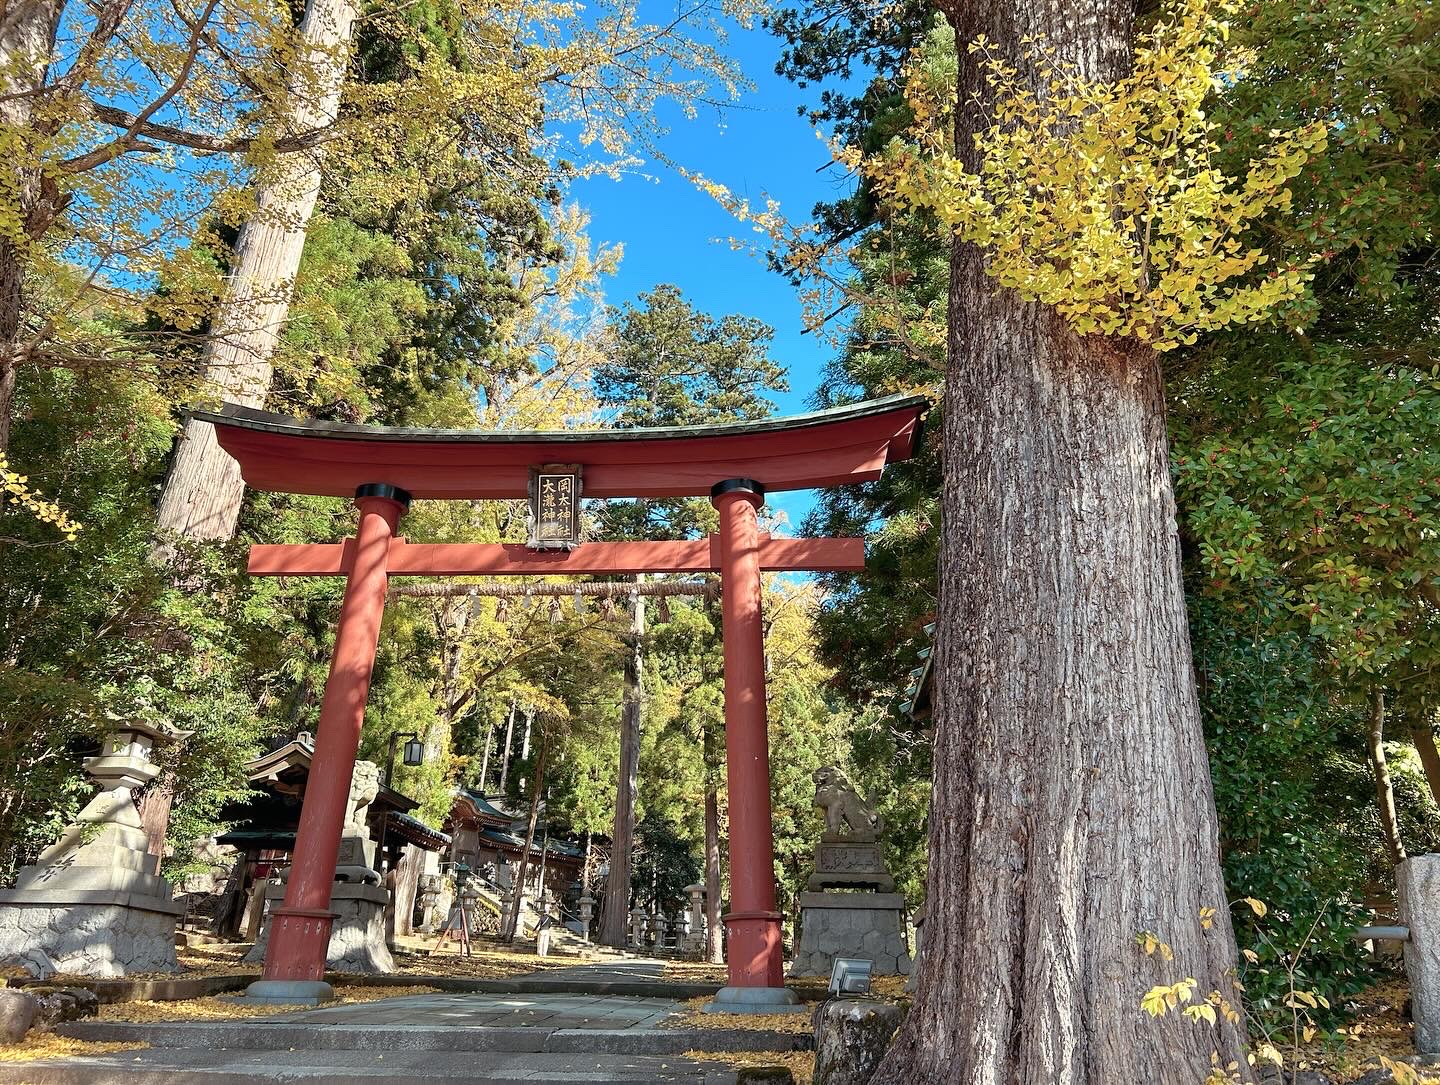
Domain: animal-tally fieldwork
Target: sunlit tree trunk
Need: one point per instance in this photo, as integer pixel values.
(202, 494)
(1422, 733)
(537, 786)
(1072, 805)
(714, 931)
(27, 43)
(614, 913)
(1384, 792)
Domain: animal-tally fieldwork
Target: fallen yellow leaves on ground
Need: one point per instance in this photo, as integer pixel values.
(46, 1045)
(1379, 1028)
(211, 1008)
(695, 1017)
(801, 1064)
(695, 971)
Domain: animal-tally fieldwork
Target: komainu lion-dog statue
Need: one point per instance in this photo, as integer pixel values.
(846, 813)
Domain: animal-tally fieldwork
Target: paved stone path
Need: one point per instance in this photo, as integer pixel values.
(552, 1011)
(182, 1067)
(541, 1034)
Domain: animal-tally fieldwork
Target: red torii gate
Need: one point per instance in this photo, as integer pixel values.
(384, 468)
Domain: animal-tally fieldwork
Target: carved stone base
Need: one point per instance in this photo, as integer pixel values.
(865, 925)
(357, 939)
(107, 936)
(850, 862)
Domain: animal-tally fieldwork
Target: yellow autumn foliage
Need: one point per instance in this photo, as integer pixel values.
(17, 492)
(1103, 199)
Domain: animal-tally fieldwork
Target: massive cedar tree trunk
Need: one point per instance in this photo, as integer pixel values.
(1072, 805)
(202, 494)
(614, 912)
(27, 42)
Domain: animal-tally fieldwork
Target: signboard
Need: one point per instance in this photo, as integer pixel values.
(555, 506)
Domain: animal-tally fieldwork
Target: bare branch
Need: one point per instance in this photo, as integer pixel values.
(108, 151)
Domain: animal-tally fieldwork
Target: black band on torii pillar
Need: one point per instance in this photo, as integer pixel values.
(383, 489)
(732, 485)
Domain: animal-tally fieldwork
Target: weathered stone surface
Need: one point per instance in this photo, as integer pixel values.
(357, 939)
(1418, 890)
(851, 1035)
(17, 1013)
(764, 1075)
(56, 1004)
(105, 940)
(866, 925)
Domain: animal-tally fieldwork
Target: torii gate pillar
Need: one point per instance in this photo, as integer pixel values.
(300, 928)
(756, 967)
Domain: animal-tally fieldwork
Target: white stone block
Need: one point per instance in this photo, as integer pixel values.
(1418, 888)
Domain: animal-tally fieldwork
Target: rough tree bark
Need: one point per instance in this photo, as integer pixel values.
(1072, 804)
(1422, 733)
(615, 910)
(1384, 792)
(27, 43)
(202, 494)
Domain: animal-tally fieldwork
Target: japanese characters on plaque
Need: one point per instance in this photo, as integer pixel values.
(555, 506)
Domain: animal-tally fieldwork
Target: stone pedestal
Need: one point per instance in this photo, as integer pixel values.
(1417, 883)
(95, 904)
(357, 939)
(850, 861)
(865, 925)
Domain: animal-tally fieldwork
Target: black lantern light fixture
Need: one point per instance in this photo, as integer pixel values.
(413, 754)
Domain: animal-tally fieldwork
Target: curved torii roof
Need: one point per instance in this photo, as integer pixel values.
(852, 443)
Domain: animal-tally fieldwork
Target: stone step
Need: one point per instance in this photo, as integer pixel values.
(246, 1035)
(181, 1067)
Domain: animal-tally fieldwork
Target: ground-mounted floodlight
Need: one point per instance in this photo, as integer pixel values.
(850, 976)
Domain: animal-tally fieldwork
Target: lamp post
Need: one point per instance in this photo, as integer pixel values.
(414, 754)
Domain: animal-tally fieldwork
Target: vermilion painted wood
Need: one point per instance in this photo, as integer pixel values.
(827, 454)
(753, 956)
(300, 927)
(514, 559)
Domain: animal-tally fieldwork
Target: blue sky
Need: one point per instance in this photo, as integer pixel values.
(673, 232)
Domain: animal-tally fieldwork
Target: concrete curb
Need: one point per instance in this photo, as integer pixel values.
(243, 1035)
(150, 990)
(117, 1071)
(197, 986)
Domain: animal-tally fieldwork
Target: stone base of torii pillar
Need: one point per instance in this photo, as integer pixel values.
(357, 899)
(94, 903)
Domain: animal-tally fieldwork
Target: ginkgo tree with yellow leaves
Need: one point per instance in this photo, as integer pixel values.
(1103, 199)
(1066, 153)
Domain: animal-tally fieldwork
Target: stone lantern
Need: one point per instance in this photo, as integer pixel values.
(94, 903)
(692, 939)
(587, 912)
(637, 927)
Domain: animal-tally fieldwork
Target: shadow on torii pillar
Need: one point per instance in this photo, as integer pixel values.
(384, 468)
